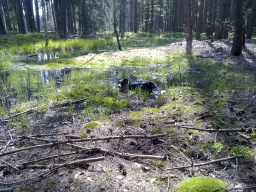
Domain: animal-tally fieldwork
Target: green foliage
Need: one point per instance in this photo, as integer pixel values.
(218, 146)
(242, 151)
(201, 184)
(159, 164)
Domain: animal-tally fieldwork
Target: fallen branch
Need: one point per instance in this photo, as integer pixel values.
(67, 164)
(206, 163)
(106, 138)
(58, 142)
(18, 114)
(218, 130)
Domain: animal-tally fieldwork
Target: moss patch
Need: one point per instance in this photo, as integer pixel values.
(92, 124)
(201, 184)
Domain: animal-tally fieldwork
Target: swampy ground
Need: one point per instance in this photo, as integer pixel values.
(66, 127)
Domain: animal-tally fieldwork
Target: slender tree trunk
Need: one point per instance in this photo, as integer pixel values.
(251, 20)
(188, 27)
(45, 25)
(152, 17)
(122, 17)
(147, 17)
(135, 16)
(37, 16)
(200, 20)
(115, 27)
(63, 19)
(20, 20)
(238, 28)
(2, 28)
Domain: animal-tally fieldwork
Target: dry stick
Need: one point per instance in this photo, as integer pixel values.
(44, 135)
(46, 158)
(218, 130)
(57, 142)
(206, 163)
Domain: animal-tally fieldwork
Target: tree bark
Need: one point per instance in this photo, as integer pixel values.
(19, 14)
(251, 20)
(188, 27)
(37, 16)
(28, 4)
(238, 28)
(2, 28)
(200, 20)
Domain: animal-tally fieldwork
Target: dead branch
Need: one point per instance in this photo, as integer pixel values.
(206, 163)
(218, 130)
(128, 156)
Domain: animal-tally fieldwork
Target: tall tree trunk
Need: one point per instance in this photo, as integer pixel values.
(251, 20)
(159, 16)
(115, 26)
(45, 25)
(152, 17)
(63, 19)
(188, 26)
(224, 6)
(135, 17)
(19, 14)
(122, 17)
(2, 28)
(37, 16)
(210, 23)
(28, 4)
(238, 28)
(147, 17)
(200, 20)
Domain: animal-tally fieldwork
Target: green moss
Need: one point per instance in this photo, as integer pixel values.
(92, 124)
(170, 131)
(83, 135)
(201, 184)
(136, 115)
(159, 164)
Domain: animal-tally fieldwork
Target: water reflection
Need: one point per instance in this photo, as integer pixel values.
(47, 56)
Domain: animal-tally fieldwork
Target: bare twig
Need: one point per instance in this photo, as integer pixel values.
(206, 163)
(218, 130)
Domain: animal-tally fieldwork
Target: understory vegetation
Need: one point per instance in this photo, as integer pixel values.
(75, 81)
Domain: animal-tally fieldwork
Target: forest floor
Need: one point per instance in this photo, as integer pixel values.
(147, 147)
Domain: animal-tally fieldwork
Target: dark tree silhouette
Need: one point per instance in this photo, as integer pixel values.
(238, 28)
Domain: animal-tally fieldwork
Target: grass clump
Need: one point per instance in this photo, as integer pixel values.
(201, 184)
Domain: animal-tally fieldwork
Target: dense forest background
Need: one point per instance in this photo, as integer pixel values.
(212, 18)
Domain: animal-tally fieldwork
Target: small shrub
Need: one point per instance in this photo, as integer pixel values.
(201, 184)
